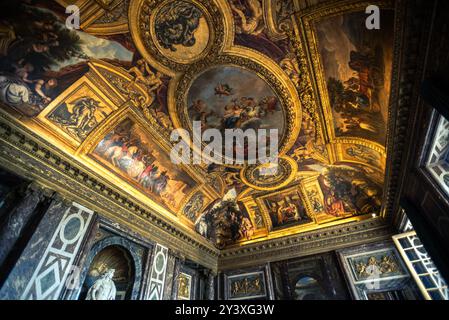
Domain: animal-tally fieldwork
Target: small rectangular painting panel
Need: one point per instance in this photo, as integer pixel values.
(247, 286)
(286, 209)
(184, 286)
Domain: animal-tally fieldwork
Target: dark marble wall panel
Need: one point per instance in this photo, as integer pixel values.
(211, 287)
(11, 191)
(47, 260)
(15, 222)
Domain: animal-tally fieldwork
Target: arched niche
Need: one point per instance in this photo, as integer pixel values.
(117, 253)
(117, 258)
(308, 287)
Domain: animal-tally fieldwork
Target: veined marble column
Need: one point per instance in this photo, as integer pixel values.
(170, 275)
(176, 272)
(18, 218)
(211, 286)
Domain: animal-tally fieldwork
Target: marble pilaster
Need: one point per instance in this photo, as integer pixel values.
(17, 220)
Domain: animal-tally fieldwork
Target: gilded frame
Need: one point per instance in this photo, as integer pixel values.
(305, 21)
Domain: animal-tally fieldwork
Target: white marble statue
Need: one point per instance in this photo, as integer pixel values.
(103, 288)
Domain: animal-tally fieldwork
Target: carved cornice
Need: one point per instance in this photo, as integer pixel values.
(413, 26)
(30, 156)
(299, 245)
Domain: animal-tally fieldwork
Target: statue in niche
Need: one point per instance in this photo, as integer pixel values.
(103, 288)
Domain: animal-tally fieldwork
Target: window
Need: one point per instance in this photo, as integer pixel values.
(438, 158)
(420, 264)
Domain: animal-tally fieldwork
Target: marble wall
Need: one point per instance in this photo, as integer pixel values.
(48, 258)
(20, 211)
(67, 247)
(366, 272)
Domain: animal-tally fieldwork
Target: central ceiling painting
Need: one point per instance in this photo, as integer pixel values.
(110, 94)
(228, 97)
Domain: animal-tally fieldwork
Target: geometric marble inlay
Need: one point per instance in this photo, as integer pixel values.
(54, 267)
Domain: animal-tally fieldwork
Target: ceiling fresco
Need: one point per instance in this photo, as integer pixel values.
(356, 63)
(110, 94)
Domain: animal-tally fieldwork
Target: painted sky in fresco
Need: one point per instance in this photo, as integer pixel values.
(98, 48)
(244, 84)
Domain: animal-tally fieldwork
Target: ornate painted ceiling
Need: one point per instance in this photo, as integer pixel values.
(110, 94)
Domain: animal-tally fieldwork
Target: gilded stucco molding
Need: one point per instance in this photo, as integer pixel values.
(299, 245)
(412, 34)
(75, 179)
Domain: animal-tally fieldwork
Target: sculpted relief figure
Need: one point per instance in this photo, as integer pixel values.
(223, 222)
(176, 25)
(103, 288)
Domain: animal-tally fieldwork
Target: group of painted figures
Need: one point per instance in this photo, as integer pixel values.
(377, 266)
(357, 99)
(27, 53)
(286, 211)
(243, 112)
(130, 156)
(349, 191)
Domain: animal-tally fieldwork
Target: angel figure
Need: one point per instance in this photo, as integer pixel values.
(252, 24)
(223, 89)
